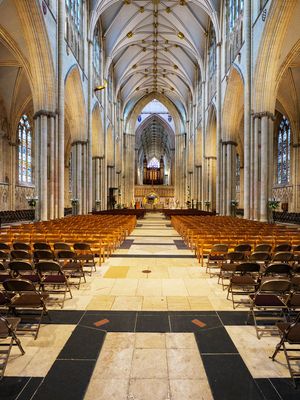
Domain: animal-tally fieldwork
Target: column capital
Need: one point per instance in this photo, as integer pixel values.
(210, 158)
(44, 113)
(230, 142)
(83, 142)
(296, 145)
(198, 165)
(264, 114)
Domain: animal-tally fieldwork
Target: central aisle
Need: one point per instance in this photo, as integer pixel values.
(155, 271)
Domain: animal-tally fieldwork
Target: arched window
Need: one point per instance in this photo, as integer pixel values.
(96, 51)
(283, 151)
(74, 27)
(25, 150)
(234, 9)
(154, 163)
(238, 173)
(74, 9)
(212, 63)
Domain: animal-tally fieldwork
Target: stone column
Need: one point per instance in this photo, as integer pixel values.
(77, 173)
(203, 128)
(84, 180)
(266, 178)
(255, 167)
(61, 106)
(296, 177)
(44, 123)
(219, 126)
(96, 180)
(247, 107)
(230, 182)
(224, 177)
(102, 183)
(129, 152)
(52, 165)
(90, 136)
(12, 185)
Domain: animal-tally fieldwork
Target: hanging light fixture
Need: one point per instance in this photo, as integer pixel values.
(101, 87)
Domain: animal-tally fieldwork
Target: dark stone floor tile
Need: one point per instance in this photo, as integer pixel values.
(127, 244)
(153, 322)
(118, 322)
(230, 379)
(66, 380)
(286, 389)
(10, 387)
(267, 389)
(65, 317)
(180, 245)
(235, 318)
(183, 323)
(215, 340)
(84, 344)
(30, 388)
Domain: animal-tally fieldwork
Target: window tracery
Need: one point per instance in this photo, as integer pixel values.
(74, 12)
(283, 151)
(25, 150)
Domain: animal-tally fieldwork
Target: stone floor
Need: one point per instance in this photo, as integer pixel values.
(149, 324)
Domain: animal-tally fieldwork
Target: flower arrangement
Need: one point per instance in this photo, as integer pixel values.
(234, 203)
(32, 201)
(74, 202)
(97, 202)
(273, 204)
(207, 203)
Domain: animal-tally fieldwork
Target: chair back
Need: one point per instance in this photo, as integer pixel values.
(19, 265)
(244, 248)
(20, 255)
(66, 255)
(18, 285)
(48, 266)
(61, 246)
(278, 269)
(276, 286)
(248, 267)
(260, 256)
(82, 246)
(4, 247)
(43, 255)
(4, 256)
(265, 247)
(41, 246)
(236, 256)
(282, 247)
(21, 246)
(283, 256)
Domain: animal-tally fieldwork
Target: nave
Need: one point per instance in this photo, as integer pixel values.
(150, 322)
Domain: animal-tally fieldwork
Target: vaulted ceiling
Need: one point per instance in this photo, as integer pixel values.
(156, 45)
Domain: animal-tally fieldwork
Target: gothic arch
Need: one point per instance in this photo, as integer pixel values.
(233, 107)
(75, 105)
(211, 134)
(97, 133)
(266, 69)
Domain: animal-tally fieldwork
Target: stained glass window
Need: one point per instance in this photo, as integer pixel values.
(74, 9)
(234, 9)
(153, 163)
(238, 172)
(25, 150)
(96, 51)
(283, 151)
